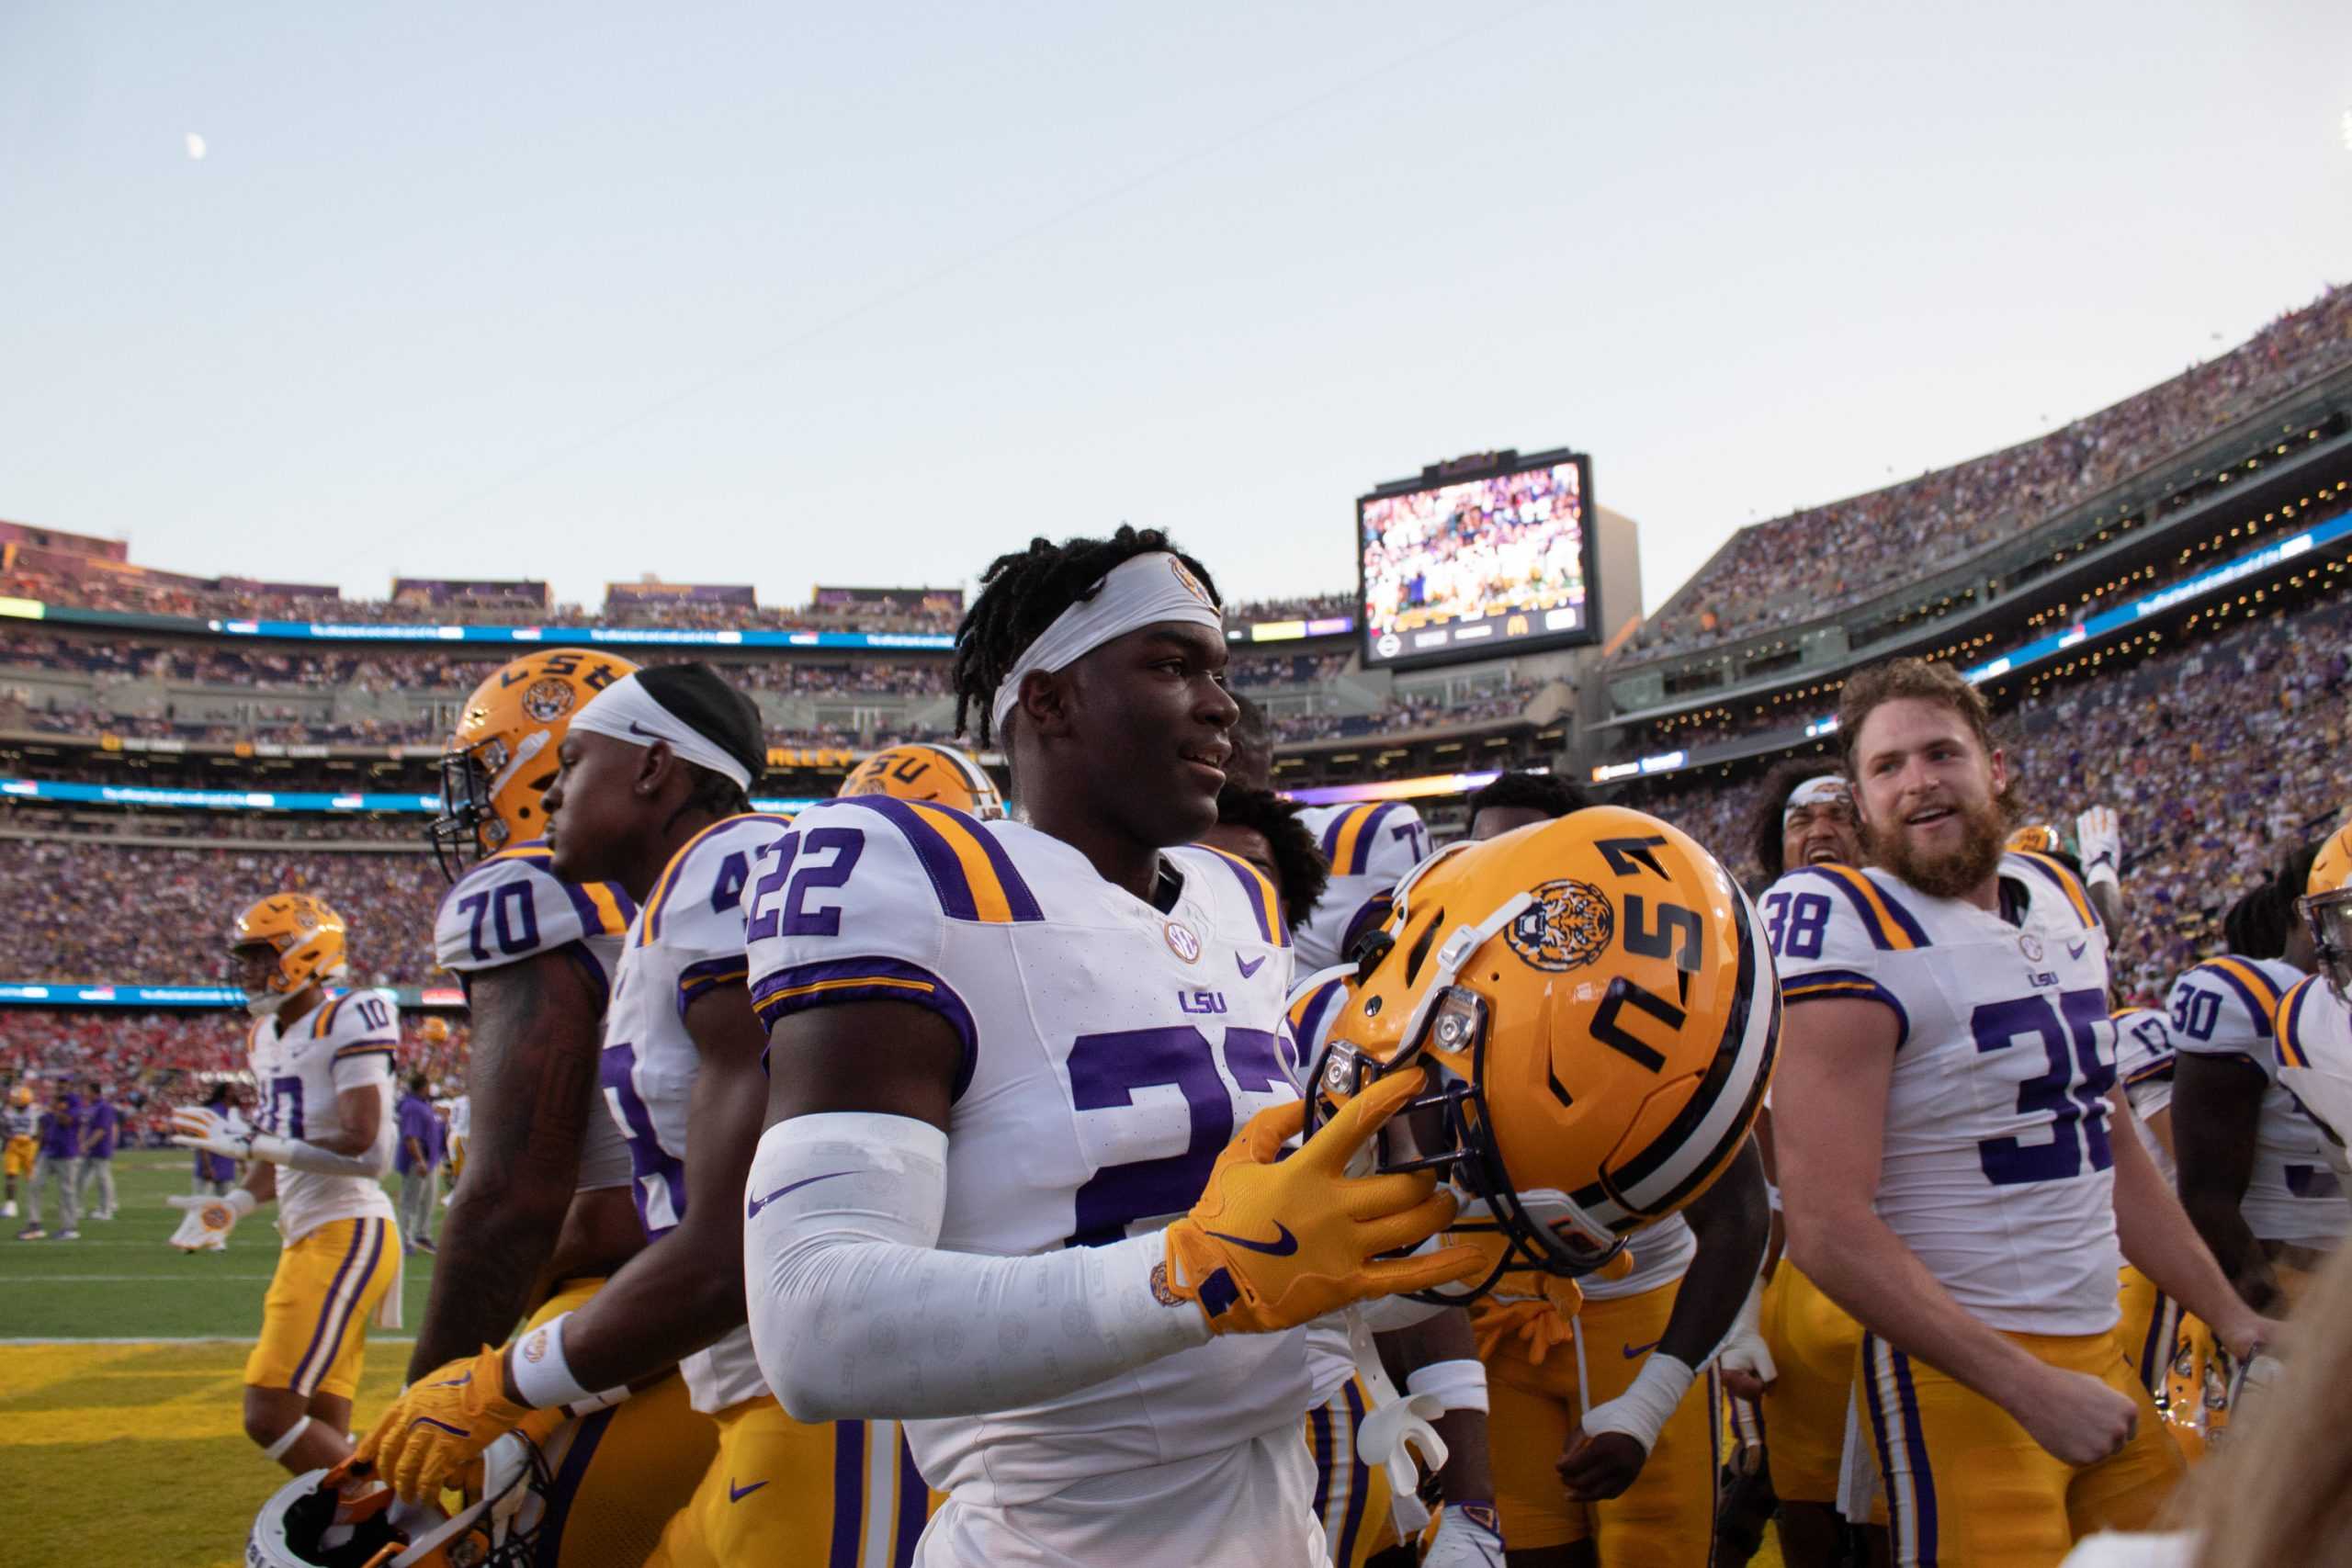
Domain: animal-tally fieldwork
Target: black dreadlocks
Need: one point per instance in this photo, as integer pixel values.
(1300, 874)
(1019, 596)
(1548, 793)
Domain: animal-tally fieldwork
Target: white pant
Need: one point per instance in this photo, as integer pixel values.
(97, 1173)
(1247, 1507)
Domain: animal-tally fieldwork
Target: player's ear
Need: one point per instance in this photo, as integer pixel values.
(2000, 761)
(1044, 701)
(654, 766)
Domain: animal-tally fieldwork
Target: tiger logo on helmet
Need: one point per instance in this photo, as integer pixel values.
(305, 936)
(921, 770)
(1598, 1015)
(502, 756)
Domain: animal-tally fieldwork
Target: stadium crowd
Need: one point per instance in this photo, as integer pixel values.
(2218, 757)
(1812, 562)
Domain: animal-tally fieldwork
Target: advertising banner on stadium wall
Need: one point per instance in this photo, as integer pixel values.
(734, 595)
(51, 993)
(271, 800)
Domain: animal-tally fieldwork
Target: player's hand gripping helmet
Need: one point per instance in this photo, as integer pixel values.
(306, 936)
(501, 757)
(2327, 909)
(1599, 1016)
(325, 1519)
(921, 771)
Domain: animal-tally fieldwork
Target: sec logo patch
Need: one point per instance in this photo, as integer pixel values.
(1181, 942)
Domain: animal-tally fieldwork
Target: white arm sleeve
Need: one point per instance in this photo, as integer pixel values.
(854, 1313)
(324, 1162)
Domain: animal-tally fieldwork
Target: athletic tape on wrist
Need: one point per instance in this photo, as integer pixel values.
(1642, 1411)
(1457, 1385)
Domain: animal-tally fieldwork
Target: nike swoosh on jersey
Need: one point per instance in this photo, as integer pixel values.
(1282, 1246)
(1633, 1351)
(2077, 949)
(736, 1493)
(1247, 966)
(759, 1203)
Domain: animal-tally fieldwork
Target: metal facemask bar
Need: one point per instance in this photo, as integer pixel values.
(2329, 916)
(1544, 1231)
(455, 832)
(512, 1466)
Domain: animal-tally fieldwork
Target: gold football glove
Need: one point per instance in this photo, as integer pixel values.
(1275, 1243)
(434, 1432)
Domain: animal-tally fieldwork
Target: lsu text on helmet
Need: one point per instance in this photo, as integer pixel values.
(2327, 904)
(306, 936)
(2036, 837)
(327, 1519)
(501, 757)
(1598, 1015)
(921, 771)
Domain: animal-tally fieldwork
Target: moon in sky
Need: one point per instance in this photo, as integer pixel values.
(196, 147)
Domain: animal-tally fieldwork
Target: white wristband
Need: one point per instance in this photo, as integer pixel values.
(543, 1377)
(1458, 1385)
(241, 1202)
(1641, 1412)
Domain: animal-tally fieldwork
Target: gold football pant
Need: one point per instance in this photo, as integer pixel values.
(1351, 1498)
(1537, 1392)
(314, 1319)
(1813, 1343)
(1968, 1487)
(834, 1495)
(620, 1473)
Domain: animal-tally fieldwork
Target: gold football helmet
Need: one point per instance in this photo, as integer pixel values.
(2327, 904)
(922, 770)
(435, 1031)
(501, 757)
(1599, 1014)
(2036, 837)
(307, 938)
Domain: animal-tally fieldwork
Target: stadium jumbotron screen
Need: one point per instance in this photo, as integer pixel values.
(1477, 564)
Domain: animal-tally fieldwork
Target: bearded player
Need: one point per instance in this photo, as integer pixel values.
(2314, 1031)
(321, 1061)
(1943, 1117)
(651, 800)
(1002, 1057)
(543, 1213)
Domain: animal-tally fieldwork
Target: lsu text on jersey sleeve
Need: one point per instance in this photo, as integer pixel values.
(1369, 848)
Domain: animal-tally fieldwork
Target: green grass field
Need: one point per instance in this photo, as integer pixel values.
(121, 1367)
(122, 1371)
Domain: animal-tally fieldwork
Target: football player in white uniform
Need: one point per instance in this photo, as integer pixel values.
(2253, 1168)
(1603, 1420)
(1942, 1121)
(1001, 1196)
(1368, 847)
(652, 801)
(543, 1215)
(321, 1061)
(2315, 1034)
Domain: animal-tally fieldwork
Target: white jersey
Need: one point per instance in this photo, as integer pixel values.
(1996, 1171)
(1110, 1050)
(2143, 1062)
(1369, 848)
(2314, 1047)
(511, 908)
(22, 1121)
(687, 941)
(2228, 1007)
(299, 1066)
(461, 1116)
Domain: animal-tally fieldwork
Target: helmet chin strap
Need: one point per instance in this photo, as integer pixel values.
(1451, 957)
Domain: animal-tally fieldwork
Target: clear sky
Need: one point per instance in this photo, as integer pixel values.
(866, 294)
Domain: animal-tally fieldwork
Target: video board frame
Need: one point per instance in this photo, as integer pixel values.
(1486, 636)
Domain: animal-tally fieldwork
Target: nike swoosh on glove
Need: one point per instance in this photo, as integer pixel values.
(1277, 1241)
(440, 1426)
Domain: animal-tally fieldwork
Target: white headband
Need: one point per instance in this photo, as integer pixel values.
(1141, 592)
(1815, 791)
(626, 711)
